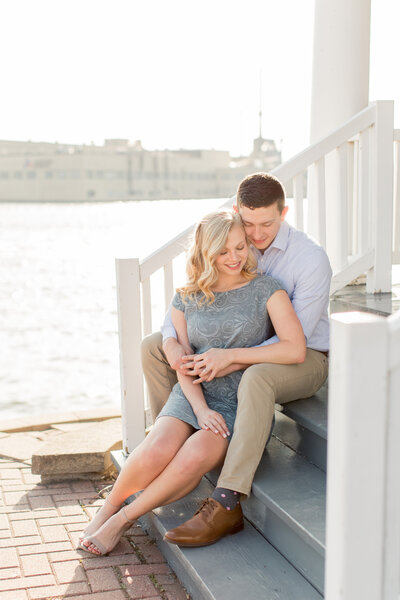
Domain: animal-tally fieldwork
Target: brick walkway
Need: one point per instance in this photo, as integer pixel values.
(39, 527)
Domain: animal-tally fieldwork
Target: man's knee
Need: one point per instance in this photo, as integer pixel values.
(256, 385)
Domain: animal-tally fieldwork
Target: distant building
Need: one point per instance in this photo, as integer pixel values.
(121, 170)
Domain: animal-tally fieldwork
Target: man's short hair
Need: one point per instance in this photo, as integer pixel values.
(259, 190)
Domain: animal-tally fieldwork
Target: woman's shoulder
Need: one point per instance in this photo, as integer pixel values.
(268, 283)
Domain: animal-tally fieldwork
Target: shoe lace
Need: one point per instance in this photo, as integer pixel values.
(206, 506)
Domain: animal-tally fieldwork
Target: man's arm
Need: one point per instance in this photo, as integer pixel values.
(310, 301)
(173, 349)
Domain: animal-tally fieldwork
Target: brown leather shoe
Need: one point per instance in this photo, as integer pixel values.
(208, 525)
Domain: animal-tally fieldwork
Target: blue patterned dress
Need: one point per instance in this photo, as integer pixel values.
(236, 319)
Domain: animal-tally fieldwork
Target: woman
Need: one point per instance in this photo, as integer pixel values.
(224, 306)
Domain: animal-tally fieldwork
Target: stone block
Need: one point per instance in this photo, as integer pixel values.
(75, 453)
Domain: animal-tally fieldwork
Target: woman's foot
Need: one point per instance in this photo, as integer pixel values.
(109, 534)
(103, 514)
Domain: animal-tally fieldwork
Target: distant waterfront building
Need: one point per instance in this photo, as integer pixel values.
(121, 170)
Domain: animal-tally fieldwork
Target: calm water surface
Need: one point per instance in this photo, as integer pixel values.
(58, 320)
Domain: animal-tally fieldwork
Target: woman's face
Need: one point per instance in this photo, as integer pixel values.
(232, 258)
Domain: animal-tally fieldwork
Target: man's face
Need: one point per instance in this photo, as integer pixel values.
(262, 224)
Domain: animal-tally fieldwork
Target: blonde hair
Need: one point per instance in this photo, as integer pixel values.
(209, 240)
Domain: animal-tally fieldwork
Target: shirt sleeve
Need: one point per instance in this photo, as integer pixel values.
(311, 294)
(168, 329)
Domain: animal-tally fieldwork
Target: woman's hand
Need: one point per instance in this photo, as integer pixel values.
(212, 420)
(208, 364)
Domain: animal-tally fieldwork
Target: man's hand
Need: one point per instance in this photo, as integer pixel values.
(207, 365)
(212, 420)
(174, 351)
(227, 371)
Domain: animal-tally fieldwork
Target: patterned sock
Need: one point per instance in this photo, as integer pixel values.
(228, 498)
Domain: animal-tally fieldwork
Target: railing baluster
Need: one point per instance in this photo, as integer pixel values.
(364, 191)
(396, 232)
(316, 220)
(298, 194)
(168, 284)
(146, 306)
(343, 188)
(351, 198)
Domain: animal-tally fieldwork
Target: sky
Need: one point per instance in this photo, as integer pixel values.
(171, 73)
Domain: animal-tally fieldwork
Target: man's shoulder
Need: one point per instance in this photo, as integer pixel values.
(299, 241)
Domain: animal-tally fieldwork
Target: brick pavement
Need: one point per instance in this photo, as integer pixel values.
(39, 528)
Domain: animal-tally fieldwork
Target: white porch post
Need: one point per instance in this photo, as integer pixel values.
(379, 279)
(130, 336)
(340, 89)
(356, 457)
(340, 80)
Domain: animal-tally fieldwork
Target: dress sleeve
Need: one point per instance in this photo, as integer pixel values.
(268, 286)
(178, 303)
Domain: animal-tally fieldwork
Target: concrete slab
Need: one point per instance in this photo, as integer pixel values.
(75, 452)
(65, 427)
(19, 446)
(42, 422)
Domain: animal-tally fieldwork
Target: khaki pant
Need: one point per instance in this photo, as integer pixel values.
(262, 385)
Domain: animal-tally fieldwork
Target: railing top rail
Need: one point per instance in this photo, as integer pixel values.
(316, 151)
(169, 251)
(285, 172)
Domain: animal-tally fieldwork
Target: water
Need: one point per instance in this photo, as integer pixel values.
(58, 319)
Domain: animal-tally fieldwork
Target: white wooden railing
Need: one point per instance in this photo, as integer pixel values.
(396, 214)
(363, 492)
(356, 230)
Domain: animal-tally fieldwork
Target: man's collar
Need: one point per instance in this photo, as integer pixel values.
(280, 242)
(282, 237)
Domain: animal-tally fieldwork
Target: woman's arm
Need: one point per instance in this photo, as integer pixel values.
(290, 349)
(207, 418)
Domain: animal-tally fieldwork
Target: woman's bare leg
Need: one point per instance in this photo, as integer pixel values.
(201, 452)
(143, 465)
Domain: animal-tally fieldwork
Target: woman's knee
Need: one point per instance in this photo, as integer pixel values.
(157, 451)
(198, 458)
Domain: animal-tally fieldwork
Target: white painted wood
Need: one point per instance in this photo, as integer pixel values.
(165, 254)
(396, 218)
(130, 336)
(340, 73)
(343, 202)
(379, 279)
(317, 150)
(146, 306)
(316, 218)
(356, 465)
(391, 551)
(357, 265)
(298, 195)
(352, 150)
(364, 192)
(168, 284)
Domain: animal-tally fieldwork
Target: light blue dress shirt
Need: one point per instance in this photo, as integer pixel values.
(302, 266)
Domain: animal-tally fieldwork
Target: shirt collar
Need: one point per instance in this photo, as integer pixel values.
(280, 242)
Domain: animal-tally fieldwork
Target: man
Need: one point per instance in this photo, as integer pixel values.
(304, 270)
